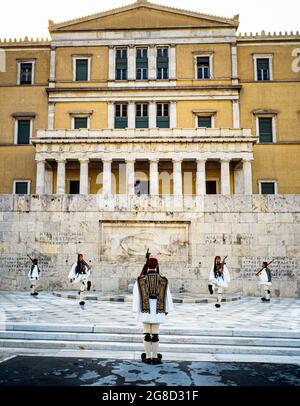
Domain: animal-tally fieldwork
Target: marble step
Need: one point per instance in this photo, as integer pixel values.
(164, 347)
(94, 328)
(136, 338)
(126, 297)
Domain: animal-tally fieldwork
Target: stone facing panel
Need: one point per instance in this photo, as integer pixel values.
(185, 233)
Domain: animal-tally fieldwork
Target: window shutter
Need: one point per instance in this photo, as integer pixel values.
(81, 69)
(21, 188)
(265, 130)
(268, 188)
(204, 122)
(80, 122)
(23, 132)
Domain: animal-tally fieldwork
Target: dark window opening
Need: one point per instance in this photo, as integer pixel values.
(74, 187)
(211, 187)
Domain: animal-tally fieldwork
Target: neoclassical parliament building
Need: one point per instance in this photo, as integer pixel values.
(147, 99)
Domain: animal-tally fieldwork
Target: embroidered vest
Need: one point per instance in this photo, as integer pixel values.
(153, 285)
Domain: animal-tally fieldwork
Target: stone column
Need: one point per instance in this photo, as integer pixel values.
(61, 177)
(154, 177)
(131, 115)
(172, 62)
(152, 114)
(236, 113)
(40, 177)
(177, 176)
(234, 65)
(131, 63)
(51, 115)
(130, 178)
(225, 177)
(106, 176)
(111, 115)
(52, 67)
(247, 170)
(84, 177)
(111, 63)
(152, 62)
(173, 115)
(201, 177)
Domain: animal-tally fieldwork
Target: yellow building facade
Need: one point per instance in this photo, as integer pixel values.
(147, 99)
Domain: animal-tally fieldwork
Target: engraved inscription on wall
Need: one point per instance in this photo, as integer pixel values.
(15, 264)
(60, 238)
(283, 268)
(228, 239)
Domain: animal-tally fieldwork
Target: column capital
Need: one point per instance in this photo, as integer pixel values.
(61, 160)
(83, 160)
(153, 160)
(225, 160)
(40, 160)
(201, 160)
(130, 160)
(107, 160)
(247, 159)
(111, 47)
(177, 160)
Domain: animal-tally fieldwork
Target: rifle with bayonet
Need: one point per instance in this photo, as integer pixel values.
(257, 273)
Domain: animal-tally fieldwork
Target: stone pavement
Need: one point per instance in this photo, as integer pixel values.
(37, 371)
(192, 331)
(247, 313)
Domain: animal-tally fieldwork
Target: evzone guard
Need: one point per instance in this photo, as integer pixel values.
(152, 301)
(34, 276)
(265, 280)
(80, 274)
(218, 279)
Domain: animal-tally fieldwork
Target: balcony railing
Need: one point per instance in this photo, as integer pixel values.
(216, 134)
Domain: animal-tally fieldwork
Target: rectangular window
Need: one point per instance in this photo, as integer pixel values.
(142, 64)
(23, 132)
(141, 119)
(203, 67)
(26, 73)
(121, 64)
(211, 187)
(263, 68)
(205, 121)
(21, 187)
(74, 187)
(162, 63)
(121, 119)
(163, 119)
(82, 69)
(267, 188)
(265, 127)
(80, 122)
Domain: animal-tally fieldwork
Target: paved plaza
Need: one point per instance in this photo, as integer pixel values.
(50, 340)
(248, 313)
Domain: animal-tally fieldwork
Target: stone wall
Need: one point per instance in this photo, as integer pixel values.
(185, 233)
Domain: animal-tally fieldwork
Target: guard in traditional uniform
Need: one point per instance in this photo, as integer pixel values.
(152, 301)
(80, 274)
(218, 279)
(265, 281)
(34, 276)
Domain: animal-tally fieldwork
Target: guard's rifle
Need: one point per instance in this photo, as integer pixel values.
(30, 258)
(85, 263)
(257, 273)
(220, 271)
(145, 267)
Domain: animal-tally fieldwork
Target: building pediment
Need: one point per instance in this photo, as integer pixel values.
(143, 15)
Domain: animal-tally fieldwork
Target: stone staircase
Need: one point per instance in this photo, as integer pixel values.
(174, 342)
